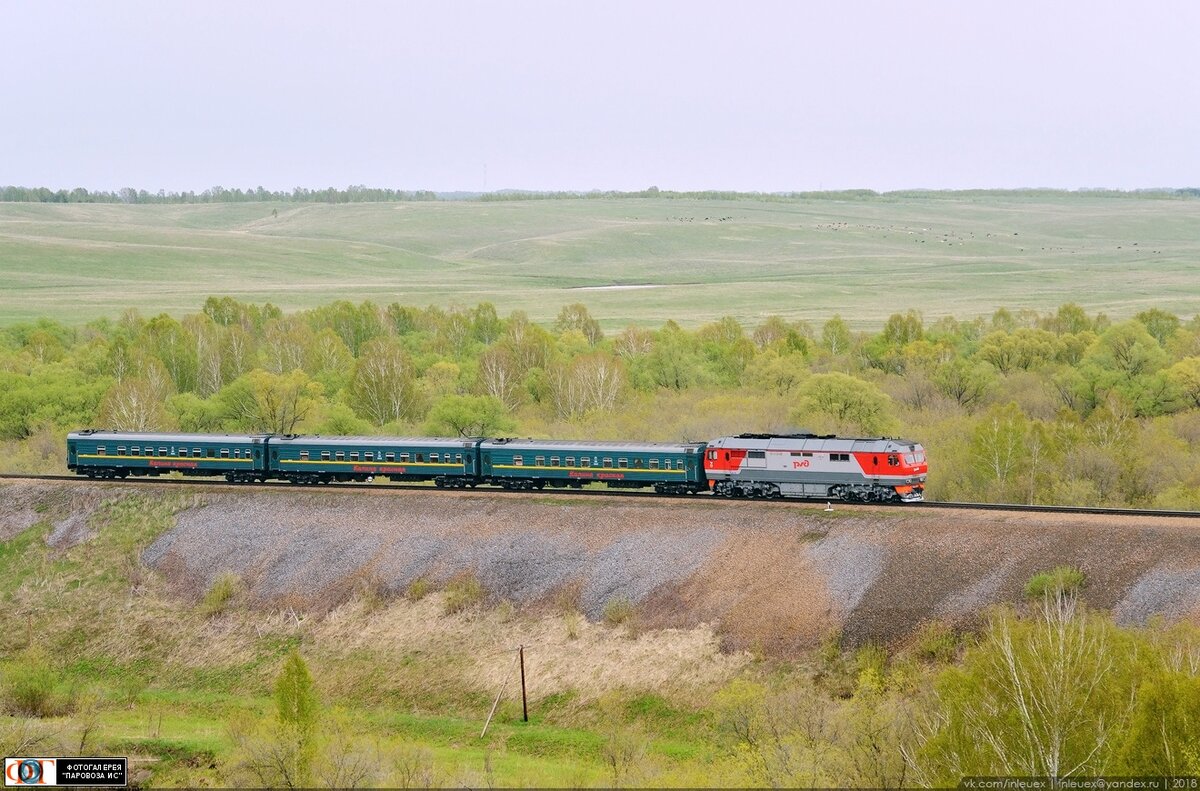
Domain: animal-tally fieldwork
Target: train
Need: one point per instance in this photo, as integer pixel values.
(765, 466)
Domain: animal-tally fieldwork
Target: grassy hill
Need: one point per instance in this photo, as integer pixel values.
(692, 260)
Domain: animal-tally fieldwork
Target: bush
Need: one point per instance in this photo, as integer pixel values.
(1062, 580)
(935, 642)
(618, 610)
(31, 688)
(463, 593)
(220, 594)
(417, 589)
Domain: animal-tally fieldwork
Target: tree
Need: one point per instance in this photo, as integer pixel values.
(965, 382)
(902, 329)
(1160, 324)
(577, 317)
(852, 403)
(468, 416)
(1129, 349)
(134, 405)
(500, 375)
(383, 386)
(998, 446)
(1186, 376)
(835, 335)
(282, 754)
(1046, 696)
(267, 402)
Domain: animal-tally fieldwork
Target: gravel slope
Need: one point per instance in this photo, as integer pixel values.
(771, 576)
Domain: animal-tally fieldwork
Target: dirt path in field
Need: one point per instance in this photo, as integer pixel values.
(775, 577)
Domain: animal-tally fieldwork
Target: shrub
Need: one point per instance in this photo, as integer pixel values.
(220, 594)
(463, 593)
(1062, 580)
(618, 610)
(417, 589)
(935, 642)
(31, 688)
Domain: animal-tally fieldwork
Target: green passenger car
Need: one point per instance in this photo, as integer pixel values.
(316, 459)
(119, 454)
(536, 463)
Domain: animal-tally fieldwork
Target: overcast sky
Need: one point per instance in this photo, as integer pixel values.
(600, 95)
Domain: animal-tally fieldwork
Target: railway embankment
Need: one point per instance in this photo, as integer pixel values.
(773, 577)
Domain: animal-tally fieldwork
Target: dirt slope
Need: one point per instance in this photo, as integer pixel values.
(772, 576)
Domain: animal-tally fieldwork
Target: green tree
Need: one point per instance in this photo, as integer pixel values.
(468, 416)
(267, 402)
(853, 404)
(1046, 695)
(835, 335)
(1128, 349)
(384, 383)
(577, 317)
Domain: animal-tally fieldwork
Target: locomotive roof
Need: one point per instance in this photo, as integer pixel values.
(563, 445)
(814, 442)
(317, 439)
(149, 436)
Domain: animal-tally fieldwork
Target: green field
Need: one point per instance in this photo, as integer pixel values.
(805, 258)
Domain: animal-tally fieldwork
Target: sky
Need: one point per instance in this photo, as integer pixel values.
(603, 94)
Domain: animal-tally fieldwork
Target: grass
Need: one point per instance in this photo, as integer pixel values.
(112, 666)
(809, 258)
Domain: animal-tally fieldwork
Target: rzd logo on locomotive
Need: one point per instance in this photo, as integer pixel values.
(29, 772)
(799, 463)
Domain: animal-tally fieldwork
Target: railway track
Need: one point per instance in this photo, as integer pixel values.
(375, 487)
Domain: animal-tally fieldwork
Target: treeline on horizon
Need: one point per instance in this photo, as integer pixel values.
(1059, 408)
(363, 194)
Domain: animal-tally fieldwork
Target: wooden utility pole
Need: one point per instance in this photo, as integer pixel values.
(524, 703)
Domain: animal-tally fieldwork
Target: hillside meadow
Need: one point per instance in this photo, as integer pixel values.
(629, 260)
(214, 685)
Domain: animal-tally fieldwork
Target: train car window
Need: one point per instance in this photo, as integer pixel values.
(275, 455)
(198, 453)
(607, 462)
(162, 451)
(458, 458)
(224, 453)
(237, 453)
(324, 455)
(909, 458)
(654, 464)
(622, 462)
(570, 461)
(389, 456)
(208, 452)
(757, 454)
(340, 455)
(183, 453)
(433, 457)
(120, 450)
(893, 461)
(518, 461)
(679, 464)
(637, 463)
(353, 455)
(303, 455)
(99, 450)
(420, 457)
(149, 451)
(136, 450)
(257, 453)
(404, 457)
(368, 456)
(540, 461)
(554, 461)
